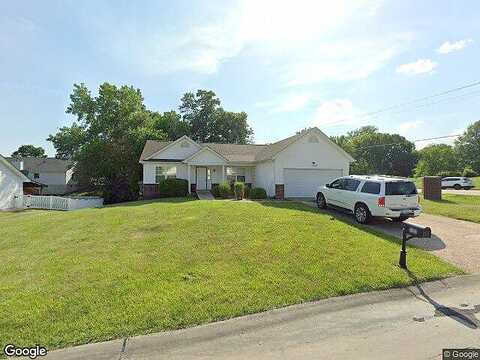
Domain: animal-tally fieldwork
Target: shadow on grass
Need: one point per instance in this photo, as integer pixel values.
(176, 200)
(385, 228)
(465, 317)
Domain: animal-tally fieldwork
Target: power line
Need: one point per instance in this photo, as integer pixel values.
(418, 140)
(393, 107)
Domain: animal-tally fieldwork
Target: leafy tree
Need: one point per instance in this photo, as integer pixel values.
(171, 123)
(378, 153)
(209, 122)
(29, 151)
(107, 138)
(467, 147)
(436, 159)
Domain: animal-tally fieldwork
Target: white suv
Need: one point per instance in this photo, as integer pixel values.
(457, 183)
(368, 196)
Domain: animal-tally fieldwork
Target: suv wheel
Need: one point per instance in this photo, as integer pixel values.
(362, 214)
(321, 202)
(457, 186)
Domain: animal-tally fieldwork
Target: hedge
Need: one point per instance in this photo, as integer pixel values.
(258, 193)
(173, 188)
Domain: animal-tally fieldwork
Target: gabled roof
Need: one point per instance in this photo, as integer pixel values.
(13, 169)
(203, 149)
(43, 165)
(242, 153)
(273, 149)
(237, 152)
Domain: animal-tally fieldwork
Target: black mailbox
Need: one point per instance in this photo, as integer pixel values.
(410, 231)
(417, 231)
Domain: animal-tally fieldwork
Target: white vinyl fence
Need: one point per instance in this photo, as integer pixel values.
(60, 203)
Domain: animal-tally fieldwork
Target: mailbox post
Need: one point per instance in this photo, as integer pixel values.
(410, 231)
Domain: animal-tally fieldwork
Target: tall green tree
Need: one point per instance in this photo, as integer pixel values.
(171, 123)
(435, 159)
(378, 153)
(107, 138)
(209, 122)
(29, 151)
(467, 147)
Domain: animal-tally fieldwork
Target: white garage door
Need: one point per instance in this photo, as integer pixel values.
(304, 182)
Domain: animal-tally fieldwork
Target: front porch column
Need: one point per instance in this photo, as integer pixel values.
(223, 174)
(188, 175)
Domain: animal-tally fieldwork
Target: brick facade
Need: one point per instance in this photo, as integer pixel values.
(279, 191)
(150, 191)
(432, 188)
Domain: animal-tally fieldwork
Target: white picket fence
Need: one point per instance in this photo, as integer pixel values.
(60, 203)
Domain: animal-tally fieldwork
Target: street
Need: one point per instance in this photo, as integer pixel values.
(409, 323)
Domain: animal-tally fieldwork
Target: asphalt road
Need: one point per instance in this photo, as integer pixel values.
(409, 323)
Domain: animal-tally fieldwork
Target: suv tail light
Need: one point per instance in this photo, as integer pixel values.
(381, 201)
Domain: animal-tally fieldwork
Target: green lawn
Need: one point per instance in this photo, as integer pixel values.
(463, 207)
(97, 274)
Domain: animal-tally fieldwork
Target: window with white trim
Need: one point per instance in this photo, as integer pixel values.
(165, 172)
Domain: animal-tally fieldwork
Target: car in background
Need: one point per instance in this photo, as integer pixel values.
(457, 183)
(371, 196)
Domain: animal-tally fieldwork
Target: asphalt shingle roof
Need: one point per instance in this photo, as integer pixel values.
(44, 165)
(232, 152)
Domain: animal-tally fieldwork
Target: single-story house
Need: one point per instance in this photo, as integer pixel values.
(292, 167)
(54, 175)
(11, 186)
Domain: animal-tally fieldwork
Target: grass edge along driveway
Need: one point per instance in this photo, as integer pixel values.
(91, 275)
(461, 207)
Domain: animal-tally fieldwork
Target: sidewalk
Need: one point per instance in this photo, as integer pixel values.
(408, 323)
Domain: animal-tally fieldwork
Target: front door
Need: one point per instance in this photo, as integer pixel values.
(201, 178)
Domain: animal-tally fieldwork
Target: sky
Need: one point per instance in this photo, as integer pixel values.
(288, 64)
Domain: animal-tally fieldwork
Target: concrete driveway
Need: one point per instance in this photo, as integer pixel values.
(456, 241)
(462, 192)
(459, 192)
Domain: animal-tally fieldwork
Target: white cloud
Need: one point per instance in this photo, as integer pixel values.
(407, 126)
(334, 112)
(288, 103)
(341, 62)
(421, 66)
(201, 46)
(448, 47)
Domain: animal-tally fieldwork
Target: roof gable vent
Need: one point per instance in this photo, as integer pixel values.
(312, 139)
(184, 144)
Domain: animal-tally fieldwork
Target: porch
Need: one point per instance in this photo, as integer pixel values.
(205, 177)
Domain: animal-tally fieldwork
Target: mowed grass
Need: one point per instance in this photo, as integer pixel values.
(97, 274)
(462, 207)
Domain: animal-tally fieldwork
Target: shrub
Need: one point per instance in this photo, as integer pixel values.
(469, 172)
(224, 190)
(258, 193)
(173, 188)
(215, 190)
(239, 188)
(448, 173)
(247, 191)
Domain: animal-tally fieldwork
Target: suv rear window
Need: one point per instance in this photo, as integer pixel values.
(400, 188)
(371, 188)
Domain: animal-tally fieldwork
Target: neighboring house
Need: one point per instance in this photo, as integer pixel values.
(293, 167)
(54, 174)
(11, 186)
